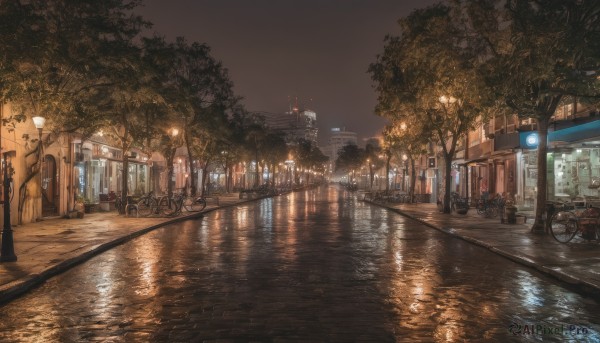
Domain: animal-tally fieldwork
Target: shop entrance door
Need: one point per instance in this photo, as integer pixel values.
(500, 179)
(50, 196)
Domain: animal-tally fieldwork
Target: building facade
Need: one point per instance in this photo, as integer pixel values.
(296, 124)
(500, 157)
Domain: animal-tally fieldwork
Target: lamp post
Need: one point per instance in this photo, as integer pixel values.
(7, 254)
(405, 174)
(39, 122)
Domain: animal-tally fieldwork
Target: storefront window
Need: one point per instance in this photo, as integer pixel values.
(79, 179)
(574, 171)
(137, 181)
(97, 182)
(530, 174)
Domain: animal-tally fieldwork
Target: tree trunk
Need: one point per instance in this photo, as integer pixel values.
(170, 158)
(193, 187)
(413, 180)
(539, 224)
(204, 175)
(387, 173)
(256, 173)
(227, 178)
(447, 178)
(125, 177)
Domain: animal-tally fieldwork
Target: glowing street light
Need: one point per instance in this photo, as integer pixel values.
(39, 122)
(447, 100)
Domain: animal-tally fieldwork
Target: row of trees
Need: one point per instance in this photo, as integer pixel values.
(458, 63)
(88, 66)
(352, 158)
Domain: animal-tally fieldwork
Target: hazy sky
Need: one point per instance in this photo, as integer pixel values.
(276, 50)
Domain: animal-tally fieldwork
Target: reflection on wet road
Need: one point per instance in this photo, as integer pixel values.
(309, 266)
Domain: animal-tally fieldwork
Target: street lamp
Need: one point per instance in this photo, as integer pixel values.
(39, 122)
(447, 100)
(7, 254)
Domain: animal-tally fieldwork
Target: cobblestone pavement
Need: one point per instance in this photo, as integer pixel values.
(315, 266)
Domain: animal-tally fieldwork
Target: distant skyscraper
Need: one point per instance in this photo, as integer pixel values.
(338, 138)
(296, 124)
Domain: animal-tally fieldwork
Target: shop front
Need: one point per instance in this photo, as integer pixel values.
(98, 173)
(574, 172)
(573, 164)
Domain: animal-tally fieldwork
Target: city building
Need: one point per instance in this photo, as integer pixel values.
(296, 124)
(339, 137)
(500, 157)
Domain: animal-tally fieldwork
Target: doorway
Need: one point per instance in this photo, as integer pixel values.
(50, 194)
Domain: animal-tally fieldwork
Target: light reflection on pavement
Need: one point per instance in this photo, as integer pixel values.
(309, 266)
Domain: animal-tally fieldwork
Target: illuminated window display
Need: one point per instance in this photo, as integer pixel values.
(574, 173)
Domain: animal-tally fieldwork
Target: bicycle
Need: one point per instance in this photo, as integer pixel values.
(489, 208)
(173, 206)
(124, 207)
(194, 204)
(566, 223)
(149, 204)
(458, 204)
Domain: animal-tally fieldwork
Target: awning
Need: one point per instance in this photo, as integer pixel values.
(475, 160)
(576, 133)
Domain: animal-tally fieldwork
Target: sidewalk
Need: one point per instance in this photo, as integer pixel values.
(52, 246)
(576, 263)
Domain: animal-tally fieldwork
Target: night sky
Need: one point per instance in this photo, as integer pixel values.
(277, 50)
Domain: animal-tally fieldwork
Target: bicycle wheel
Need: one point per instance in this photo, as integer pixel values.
(194, 204)
(145, 207)
(166, 206)
(563, 226)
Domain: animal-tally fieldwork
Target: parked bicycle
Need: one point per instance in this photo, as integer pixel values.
(174, 205)
(458, 204)
(194, 204)
(568, 222)
(123, 207)
(152, 205)
(490, 208)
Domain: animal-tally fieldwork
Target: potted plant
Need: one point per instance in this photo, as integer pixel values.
(88, 205)
(79, 208)
(510, 210)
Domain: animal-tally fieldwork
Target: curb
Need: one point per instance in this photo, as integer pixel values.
(17, 288)
(589, 288)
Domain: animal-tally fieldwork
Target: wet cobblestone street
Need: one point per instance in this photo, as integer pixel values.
(309, 266)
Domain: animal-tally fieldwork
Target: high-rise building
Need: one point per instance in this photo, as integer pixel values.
(296, 124)
(338, 138)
